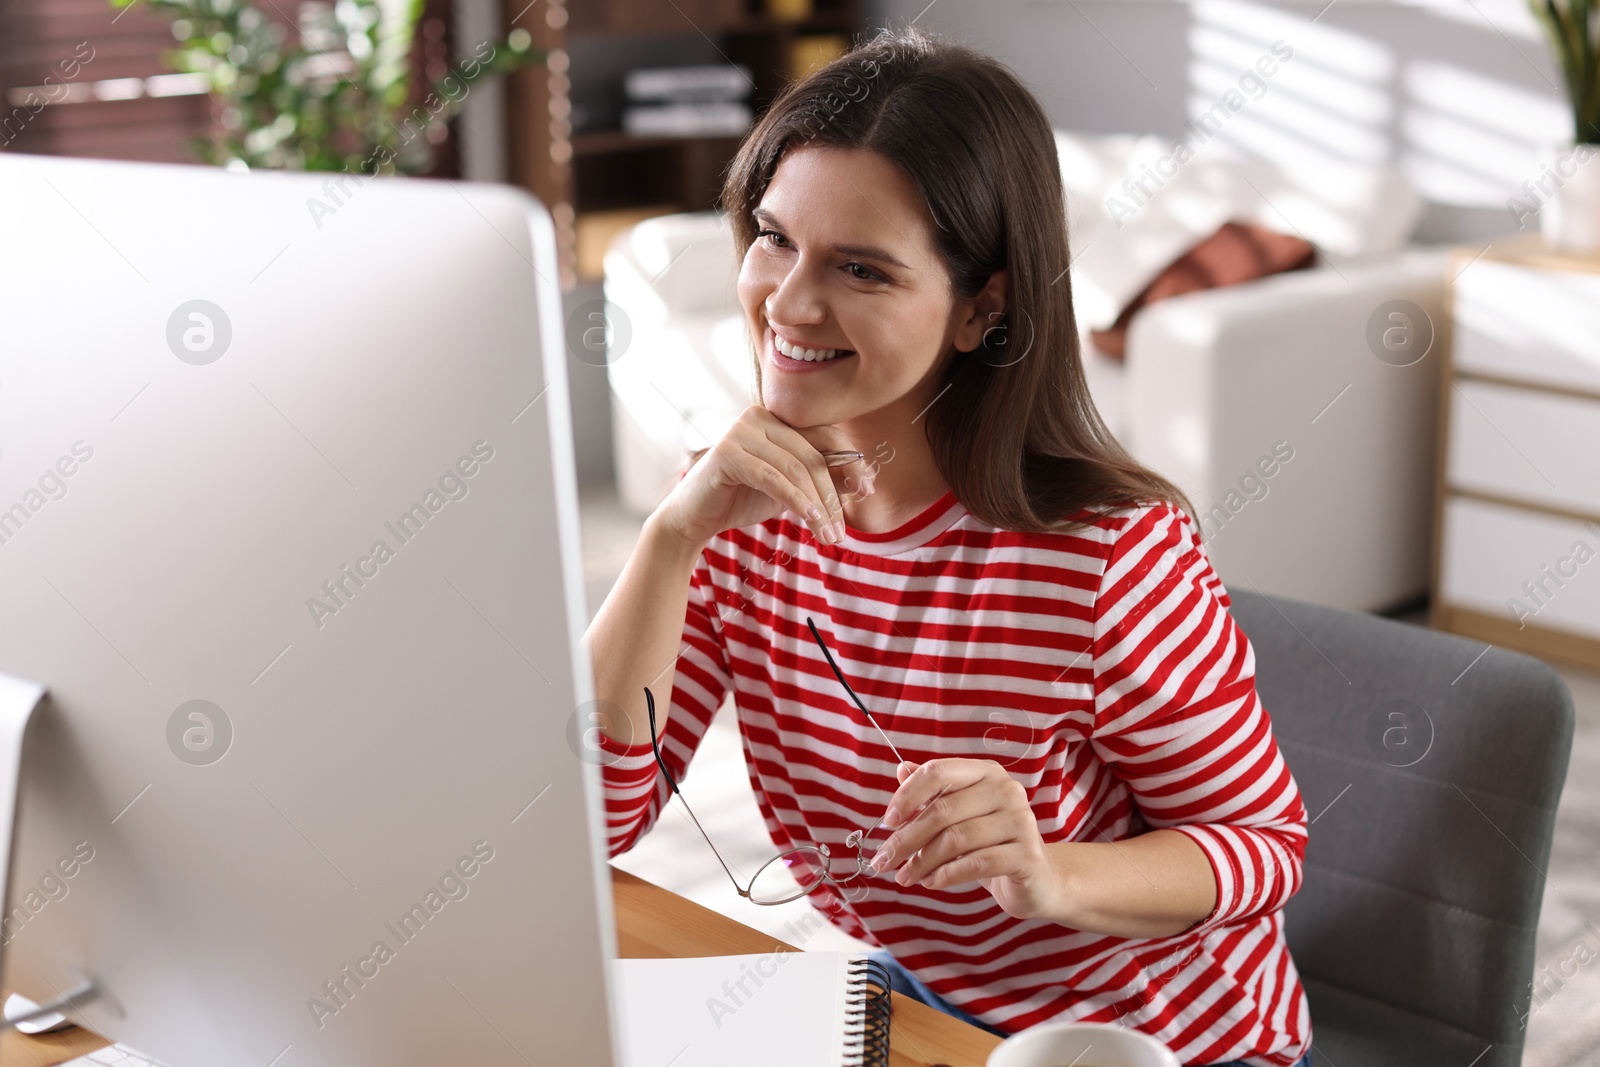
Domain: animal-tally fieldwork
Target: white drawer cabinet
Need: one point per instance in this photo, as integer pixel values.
(1525, 444)
(1517, 546)
(1533, 323)
(1528, 566)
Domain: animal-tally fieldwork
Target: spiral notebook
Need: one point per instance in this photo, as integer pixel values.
(777, 1009)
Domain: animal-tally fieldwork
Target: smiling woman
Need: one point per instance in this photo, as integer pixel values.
(877, 317)
(923, 214)
(1090, 819)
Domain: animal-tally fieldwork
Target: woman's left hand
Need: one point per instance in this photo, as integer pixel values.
(976, 826)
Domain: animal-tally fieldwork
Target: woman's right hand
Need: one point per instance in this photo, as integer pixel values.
(761, 468)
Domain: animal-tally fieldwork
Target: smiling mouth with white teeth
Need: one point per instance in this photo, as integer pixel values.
(809, 355)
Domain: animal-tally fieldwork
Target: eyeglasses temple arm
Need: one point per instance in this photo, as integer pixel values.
(840, 675)
(650, 709)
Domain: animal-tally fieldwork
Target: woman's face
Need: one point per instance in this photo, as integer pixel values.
(844, 265)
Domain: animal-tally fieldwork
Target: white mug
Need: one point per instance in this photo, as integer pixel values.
(1081, 1045)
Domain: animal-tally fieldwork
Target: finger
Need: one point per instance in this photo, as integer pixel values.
(797, 471)
(800, 495)
(956, 840)
(788, 438)
(997, 861)
(945, 810)
(780, 485)
(921, 784)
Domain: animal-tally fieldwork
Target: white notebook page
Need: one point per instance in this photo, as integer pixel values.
(694, 1013)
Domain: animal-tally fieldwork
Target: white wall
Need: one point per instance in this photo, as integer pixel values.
(482, 122)
(1459, 93)
(481, 128)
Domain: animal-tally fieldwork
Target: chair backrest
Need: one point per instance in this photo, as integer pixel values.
(1430, 766)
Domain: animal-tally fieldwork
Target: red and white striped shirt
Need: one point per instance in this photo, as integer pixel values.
(1100, 666)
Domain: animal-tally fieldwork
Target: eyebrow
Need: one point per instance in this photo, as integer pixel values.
(864, 251)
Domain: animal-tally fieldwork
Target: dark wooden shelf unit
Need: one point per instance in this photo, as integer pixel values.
(610, 170)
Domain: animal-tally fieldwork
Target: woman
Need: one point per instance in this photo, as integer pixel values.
(1027, 612)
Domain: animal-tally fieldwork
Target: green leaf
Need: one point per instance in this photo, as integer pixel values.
(294, 108)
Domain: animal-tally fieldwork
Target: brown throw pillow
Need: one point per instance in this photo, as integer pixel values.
(1238, 252)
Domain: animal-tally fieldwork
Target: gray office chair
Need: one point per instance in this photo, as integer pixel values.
(1432, 775)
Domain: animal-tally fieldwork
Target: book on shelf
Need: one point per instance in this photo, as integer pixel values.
(717, 119)
(726, 81)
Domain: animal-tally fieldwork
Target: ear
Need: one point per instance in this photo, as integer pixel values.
(983, 312)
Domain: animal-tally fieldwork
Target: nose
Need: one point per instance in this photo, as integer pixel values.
(796, 299)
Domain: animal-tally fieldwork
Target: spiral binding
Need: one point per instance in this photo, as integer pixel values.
(867, 1017)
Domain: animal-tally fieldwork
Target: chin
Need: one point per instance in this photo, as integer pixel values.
(796, 411)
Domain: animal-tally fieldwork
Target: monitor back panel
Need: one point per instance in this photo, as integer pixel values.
(288, 527)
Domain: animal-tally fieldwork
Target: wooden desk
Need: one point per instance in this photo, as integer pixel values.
(651, 923)
(23, 1051)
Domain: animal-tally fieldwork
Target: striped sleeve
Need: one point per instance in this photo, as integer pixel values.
(633, 786)
(1177, 717)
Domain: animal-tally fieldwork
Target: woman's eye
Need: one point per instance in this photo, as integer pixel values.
(861, 273)
(777, 238)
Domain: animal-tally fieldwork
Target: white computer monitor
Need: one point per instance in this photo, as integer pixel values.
(289, 534)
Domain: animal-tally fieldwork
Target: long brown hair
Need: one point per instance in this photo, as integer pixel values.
(1014, 432)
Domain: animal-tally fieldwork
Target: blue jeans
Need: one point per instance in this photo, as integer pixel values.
(906, 984)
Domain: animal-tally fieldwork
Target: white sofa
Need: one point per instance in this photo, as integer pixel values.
(1216, 387)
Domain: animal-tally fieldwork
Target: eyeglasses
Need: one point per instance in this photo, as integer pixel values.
(798, 872)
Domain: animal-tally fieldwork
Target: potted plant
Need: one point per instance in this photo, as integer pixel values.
(1570, 215)
(340, 96)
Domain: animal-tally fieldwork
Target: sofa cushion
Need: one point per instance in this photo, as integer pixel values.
(1237, 252)
(1135, 204)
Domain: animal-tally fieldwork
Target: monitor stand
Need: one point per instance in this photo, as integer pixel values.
(19, 699)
